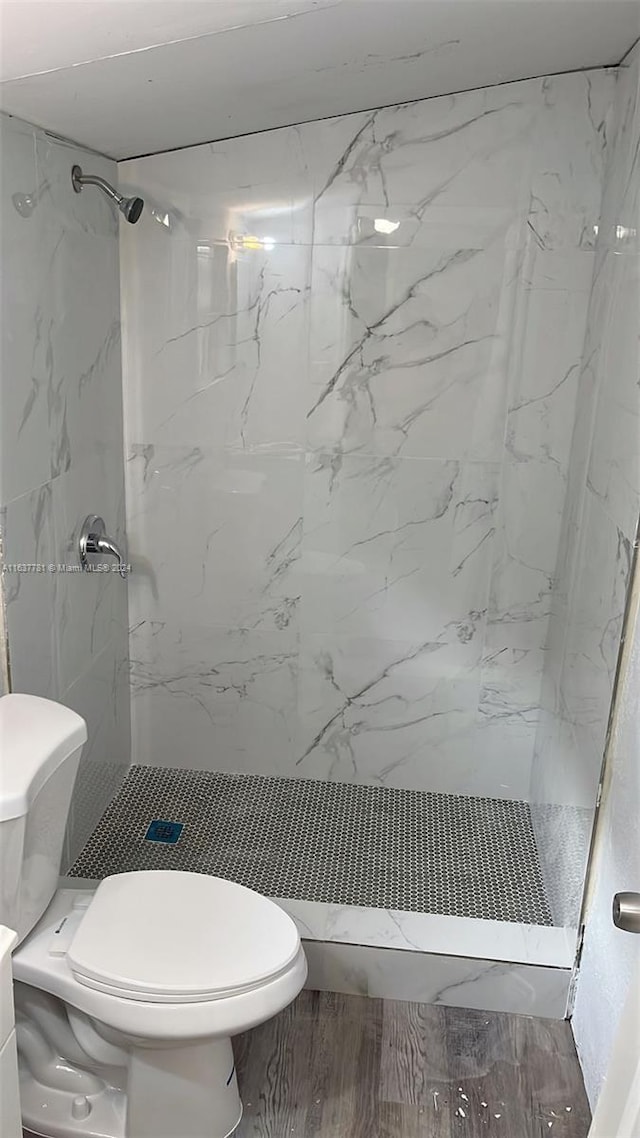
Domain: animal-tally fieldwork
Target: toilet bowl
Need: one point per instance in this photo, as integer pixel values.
(127, 995)
(146, 979)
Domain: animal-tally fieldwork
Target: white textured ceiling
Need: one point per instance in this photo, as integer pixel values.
(130, 77)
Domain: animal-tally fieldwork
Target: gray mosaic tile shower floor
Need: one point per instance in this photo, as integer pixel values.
(327, 841)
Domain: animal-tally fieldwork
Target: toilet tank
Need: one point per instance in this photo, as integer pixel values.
(40, 746)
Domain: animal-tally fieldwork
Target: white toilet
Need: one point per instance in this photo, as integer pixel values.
(126, 995)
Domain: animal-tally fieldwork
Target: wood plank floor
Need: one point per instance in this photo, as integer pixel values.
(335, 1066)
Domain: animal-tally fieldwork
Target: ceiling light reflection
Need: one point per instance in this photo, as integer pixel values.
(250, 241)
(383, 225)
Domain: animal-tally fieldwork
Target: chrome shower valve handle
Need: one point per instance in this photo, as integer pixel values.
(95, 542)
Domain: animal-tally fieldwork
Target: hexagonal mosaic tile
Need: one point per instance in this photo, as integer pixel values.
(328, 841)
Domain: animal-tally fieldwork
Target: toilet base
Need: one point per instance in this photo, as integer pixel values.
(190, 1091)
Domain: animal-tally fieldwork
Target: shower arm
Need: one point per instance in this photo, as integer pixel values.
(130, 208)
(80, 180)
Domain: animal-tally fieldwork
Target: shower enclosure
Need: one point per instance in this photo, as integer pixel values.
(382, 462)
(379, 577)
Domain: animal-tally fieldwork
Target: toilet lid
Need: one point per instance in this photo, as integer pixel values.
(166, 936)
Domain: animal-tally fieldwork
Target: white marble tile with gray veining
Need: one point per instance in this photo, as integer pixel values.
(223, 359)
(395, 549)
(31, 591)
(546, 357)
(214, 537)
(511, 679)
(383, 711)
(597, 611)
(529, 523)
(461, 149)
(91, 608)
(614, 467)
(570, 151)
(24, 422)
(101, 696)
(401, 294)
(65, 403)
(213, 698)
(428, 932)
(61, 448)
(600, 517)
(401, 339)
(450, 980)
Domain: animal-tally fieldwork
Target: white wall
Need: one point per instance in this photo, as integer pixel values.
(61, 449)
(347, 450)
(609, 955)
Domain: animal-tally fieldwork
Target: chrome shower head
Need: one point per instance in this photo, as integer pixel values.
(130, 208)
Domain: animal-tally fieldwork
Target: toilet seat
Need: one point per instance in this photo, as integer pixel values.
(164, 936)
(41, 961)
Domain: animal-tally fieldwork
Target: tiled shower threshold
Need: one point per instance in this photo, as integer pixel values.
(353, 865)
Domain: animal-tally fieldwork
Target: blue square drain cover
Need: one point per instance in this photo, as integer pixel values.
(161, 831)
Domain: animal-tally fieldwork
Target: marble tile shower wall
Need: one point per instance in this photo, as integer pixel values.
(61, 452)
(351, 354)
(599, 529)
